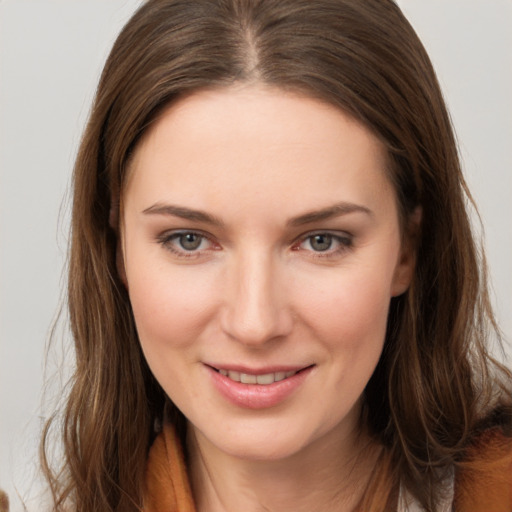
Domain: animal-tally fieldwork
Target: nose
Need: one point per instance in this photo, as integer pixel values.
(256, 309)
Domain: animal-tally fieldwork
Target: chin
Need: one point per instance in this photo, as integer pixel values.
(267, 449)
(260, 440)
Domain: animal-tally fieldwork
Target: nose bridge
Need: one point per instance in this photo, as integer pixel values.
(256, 311)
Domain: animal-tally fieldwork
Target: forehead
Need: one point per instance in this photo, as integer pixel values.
(260, 143)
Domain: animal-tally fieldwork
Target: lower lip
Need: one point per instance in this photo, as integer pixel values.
(257, 396)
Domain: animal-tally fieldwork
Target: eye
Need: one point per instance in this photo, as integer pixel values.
(324, 244)
(186, 244)
(189, 241)
(321, 242)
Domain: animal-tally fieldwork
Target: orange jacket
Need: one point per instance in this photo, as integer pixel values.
(483, 485)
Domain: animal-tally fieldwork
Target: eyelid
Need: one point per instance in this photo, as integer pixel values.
(165, 239)
(344, 239)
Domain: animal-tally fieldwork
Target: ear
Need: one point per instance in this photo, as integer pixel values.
(406, 265)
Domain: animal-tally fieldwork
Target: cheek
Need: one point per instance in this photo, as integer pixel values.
(170, 305)
(348, 311)
(347, 315)
(172, 309)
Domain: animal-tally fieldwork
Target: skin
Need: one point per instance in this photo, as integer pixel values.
(260, 290)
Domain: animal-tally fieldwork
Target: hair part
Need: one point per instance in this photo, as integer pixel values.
(441, 384)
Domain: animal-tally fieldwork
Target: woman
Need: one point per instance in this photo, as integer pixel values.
(274, 291)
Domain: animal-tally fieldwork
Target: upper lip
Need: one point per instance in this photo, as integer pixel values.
(262, 370)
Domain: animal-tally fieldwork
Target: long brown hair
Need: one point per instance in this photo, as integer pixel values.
(435, 386)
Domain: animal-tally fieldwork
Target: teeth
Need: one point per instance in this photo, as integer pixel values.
(245, 378)
(264, 379)
(268, 378)
(279, 376)
(234, 376)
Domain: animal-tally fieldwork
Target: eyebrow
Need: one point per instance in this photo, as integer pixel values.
(183, 213)
(333, 211)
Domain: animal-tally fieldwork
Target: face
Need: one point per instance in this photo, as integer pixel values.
(261, 248)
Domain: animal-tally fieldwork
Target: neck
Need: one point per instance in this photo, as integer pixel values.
(330, 474)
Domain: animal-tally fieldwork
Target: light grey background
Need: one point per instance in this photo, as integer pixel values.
(51, 53)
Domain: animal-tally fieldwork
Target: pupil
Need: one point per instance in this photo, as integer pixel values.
(190, 241)
(321, 242)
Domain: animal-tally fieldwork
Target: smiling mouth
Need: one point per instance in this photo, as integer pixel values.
(263, 379)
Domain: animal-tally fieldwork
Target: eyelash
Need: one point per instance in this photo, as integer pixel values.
(166, 241)
(344, 242)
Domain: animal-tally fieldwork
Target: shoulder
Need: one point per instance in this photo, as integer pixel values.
(166, 484)
(483, 479)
